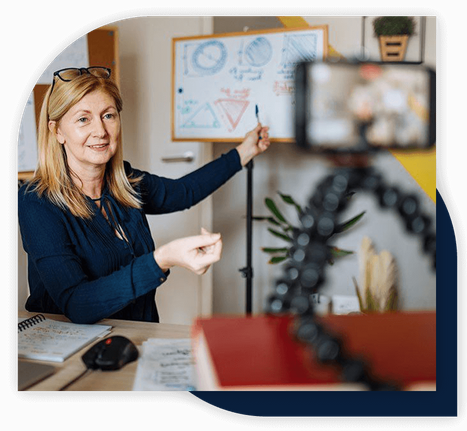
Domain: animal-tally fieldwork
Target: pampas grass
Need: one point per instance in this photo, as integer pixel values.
(378, 289)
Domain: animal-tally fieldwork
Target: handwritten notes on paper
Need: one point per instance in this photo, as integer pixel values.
(218, 81)
(165, 365)
(50, 340)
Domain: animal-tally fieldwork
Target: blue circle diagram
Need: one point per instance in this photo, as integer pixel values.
(209, 58)
(258, 52)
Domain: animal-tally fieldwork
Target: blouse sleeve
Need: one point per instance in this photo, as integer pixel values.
(51, 251)
(164, 195)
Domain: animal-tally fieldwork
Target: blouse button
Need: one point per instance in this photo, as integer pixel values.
(162, 279)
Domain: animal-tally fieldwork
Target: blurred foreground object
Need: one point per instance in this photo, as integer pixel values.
(262, 352)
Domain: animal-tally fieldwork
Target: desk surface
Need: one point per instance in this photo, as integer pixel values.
(121, 380)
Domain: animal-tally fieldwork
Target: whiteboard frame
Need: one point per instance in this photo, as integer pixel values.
(324, 29)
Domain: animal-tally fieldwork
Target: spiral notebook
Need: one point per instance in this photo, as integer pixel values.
(51, 340)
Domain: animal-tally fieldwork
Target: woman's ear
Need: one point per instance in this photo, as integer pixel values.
(56, 131)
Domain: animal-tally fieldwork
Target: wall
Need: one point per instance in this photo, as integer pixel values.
(281, 169)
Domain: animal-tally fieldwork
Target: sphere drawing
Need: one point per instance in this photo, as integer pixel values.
(209, 58)
(259, 52)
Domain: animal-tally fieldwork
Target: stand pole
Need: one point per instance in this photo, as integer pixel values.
(247, 272)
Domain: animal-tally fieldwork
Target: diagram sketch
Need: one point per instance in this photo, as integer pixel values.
(219, 79)
(204, 59)
(203, 117)
(259, 52)
(298, 48)
(233, 110)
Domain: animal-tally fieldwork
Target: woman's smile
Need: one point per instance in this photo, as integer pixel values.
(99, 147)
(89, 132)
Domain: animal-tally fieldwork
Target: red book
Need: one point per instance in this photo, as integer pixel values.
(260, 353)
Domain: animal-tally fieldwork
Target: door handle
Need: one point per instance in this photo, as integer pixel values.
(187, 157)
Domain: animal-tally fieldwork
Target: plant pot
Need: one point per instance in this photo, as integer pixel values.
(393, 48)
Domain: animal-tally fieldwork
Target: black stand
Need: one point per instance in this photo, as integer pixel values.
(247, 272)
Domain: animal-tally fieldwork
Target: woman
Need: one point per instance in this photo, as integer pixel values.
(83, 215)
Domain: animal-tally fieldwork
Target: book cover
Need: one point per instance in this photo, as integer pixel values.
(261, 353)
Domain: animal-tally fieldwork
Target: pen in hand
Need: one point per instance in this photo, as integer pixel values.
(257, 115)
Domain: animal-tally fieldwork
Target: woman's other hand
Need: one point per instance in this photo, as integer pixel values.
(196, 253)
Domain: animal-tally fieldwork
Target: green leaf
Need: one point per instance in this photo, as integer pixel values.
(393, 25)
(272, 207)
(280, 235)
(275, 250)
(273, 221)
(349, 223)
(338, 252)
(371, 305)
(277, 259)
(391, 303)
(358, 293)
(289, 200)
(269, 219)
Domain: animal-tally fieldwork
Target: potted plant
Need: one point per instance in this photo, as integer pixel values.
(283, 229)
(393, 33)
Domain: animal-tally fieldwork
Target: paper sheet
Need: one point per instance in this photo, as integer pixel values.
(165, 365)
(51, 340)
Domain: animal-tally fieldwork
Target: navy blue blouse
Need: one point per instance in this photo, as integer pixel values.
(80, 268)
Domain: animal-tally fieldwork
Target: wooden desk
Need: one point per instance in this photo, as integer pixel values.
(120, 380)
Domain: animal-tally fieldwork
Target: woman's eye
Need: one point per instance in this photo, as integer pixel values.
(82, 120)
(109, 116)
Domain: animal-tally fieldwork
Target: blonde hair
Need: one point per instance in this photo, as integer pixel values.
(53, 176)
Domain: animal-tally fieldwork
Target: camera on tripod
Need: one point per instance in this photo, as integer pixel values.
(363, 107)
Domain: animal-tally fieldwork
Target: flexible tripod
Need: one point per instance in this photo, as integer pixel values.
(305, 274)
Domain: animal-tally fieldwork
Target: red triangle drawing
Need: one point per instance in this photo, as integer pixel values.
(233, 109)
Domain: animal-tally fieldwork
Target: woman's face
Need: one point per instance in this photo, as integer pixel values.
(89, 131)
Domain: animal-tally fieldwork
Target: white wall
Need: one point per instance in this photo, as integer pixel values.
(281, 169)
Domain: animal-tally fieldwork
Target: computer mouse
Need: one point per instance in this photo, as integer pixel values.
(112, 353)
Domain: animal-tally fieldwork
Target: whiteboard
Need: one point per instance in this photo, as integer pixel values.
(219, 81)
(27, 140)
(74, 55)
